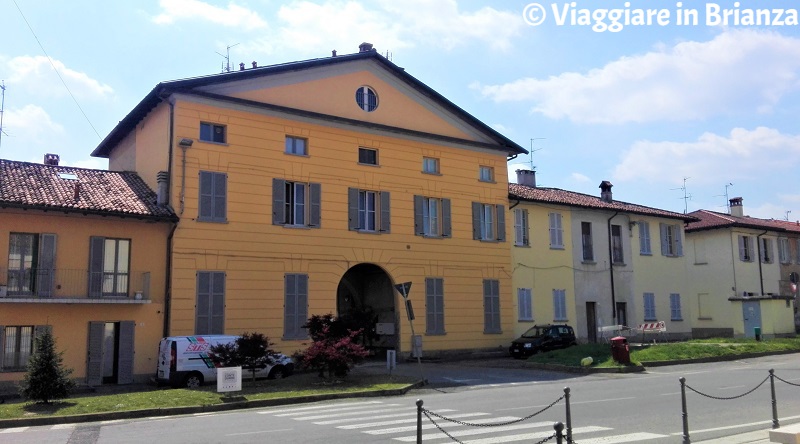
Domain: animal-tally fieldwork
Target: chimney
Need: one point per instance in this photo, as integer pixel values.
(241, 66)
(365, 47)
(255, 65)
(736, 207)
(527, 178)
(333, 53)
(51, 159)
(163, 188)
(605, 191)
(77, 191)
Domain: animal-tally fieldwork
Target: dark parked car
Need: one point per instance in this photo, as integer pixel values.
(542, 338)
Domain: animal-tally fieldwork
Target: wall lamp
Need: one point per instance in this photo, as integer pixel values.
(186, 142)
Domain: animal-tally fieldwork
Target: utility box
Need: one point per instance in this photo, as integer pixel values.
(416, 346)
(384, 328)
(620, 351)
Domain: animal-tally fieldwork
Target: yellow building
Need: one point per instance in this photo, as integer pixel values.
(315, 187)
(86, 259)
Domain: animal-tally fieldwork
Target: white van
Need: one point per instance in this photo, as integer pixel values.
(184, 361)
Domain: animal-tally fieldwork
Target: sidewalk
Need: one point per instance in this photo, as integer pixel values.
(760, 436)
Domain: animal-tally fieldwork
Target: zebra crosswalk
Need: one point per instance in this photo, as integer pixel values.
(393, 421)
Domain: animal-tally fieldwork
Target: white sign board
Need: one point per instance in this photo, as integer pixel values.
(229, 379)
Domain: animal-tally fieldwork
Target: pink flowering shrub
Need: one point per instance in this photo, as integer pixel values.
(333, 351)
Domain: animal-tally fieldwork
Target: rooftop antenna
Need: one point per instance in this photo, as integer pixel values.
(388, 56)
(727, 199)
(686, 196)
(227, 56)
(2, 107)
(533, 168)
(786, 215)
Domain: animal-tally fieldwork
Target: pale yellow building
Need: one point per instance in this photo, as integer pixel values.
(315, 187)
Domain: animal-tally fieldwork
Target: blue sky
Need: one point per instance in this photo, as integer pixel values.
(645, 107)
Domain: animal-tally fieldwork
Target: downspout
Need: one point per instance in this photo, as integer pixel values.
(168, 296)
(760, 270)
(611, 267)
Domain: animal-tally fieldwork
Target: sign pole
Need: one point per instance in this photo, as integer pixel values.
(403, 289)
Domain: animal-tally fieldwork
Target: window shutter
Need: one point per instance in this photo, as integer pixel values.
(446, 220)
(553, 236)
(315, 212)
(220, 196)
(430, 306)
(526, 239)
(2, 345)
(278, 201)
(419, 230)
(749, 240)
(741, 249)
(678, 240)
(643, 238)
(501, 223)
(94, 364)
(476, 220)
(302, 305)
(203, 304)
(218, 303)
(352, 206)
(126, 352)
(96, 249)
(46, 267)
(386, 219)
(205, 209)
(289, 305)
(664, 240)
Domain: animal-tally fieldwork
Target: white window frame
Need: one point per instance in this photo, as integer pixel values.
(524, 304)
(521, 237)
(430, 165)
(644, 238)
(767, 254)
(617, 251)
(486, 173)
(368, 212)
(17, 347)
(675, 307)
(784, 252)
(556, 231)
(297, 146)
(432, 216)
(649, 304)
(488, 222)
(214, 128)
(296, 211)
(587, 243)
(366, 98)
(365, 150)
(560, 305)
(745, 248)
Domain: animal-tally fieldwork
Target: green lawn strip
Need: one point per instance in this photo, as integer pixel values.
(695, 349)
(296, 386)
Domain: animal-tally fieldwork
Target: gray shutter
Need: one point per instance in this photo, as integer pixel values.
(2, 345)
(315, 212)
(664, 240)
(125, 352)
(278, 201)
(352, 207)
(476, 220)
(419, 221)
(386, 220)
(501, 223)
(446, 219)
(47, 264)
(94, 359)
(218, 303)
(220, 196)
(289, 304)
(741, 248)
(205, 208)
(678, 240)
(302, 304)
(430, 306)
(96, 247)
(203, 303)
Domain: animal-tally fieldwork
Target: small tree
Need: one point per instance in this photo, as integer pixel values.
(46, 378)
(334, 349)
(251, 351)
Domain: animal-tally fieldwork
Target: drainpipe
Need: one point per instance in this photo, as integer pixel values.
(760, 270)
(168, 286)
(611, 267)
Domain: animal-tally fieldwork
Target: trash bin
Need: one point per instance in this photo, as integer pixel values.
(757, 331)
(620, 351)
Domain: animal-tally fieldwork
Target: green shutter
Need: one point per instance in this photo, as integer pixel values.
(278, 201)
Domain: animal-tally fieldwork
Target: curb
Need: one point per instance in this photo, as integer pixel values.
(586, 370)
(171, 411)
(718, 358)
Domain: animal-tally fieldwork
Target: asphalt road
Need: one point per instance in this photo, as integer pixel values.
(606, 408)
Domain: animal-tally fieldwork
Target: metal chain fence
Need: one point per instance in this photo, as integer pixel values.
(723, 398)
(785, 381)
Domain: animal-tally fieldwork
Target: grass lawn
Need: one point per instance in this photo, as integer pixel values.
(301, 384)
(694, 349)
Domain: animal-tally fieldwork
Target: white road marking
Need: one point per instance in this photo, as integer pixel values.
(631, 437)
(716, 429)
(520, 437)
(393, 415)
(335, 409)
(571, 403)
(14, 430)
(314, 407)
(62, 427)
(335, 414)
(446, 424)
(485, 430)
(402, 421)
(258, 433)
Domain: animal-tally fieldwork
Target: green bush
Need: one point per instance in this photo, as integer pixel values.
(46, 378)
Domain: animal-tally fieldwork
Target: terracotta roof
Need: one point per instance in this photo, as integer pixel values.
(573, 199)
(78, 190)
(710, 220)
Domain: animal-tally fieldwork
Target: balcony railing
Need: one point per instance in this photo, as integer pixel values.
(66, 285)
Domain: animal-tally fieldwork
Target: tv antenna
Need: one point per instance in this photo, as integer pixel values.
(686, 196)
(786, 215)
(727, 199)
(533, 168)
(2, 107)
(227, 56)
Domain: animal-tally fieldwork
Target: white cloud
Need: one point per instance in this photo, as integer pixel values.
(689, 81)
(30, 123)
(711, 158)
(232, 16)
(91, 162)
(579, 178)
(36, 76)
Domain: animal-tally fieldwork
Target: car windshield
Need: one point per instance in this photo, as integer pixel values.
(534, 332)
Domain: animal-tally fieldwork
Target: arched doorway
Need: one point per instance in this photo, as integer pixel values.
(366, 295)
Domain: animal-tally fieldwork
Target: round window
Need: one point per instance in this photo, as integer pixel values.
(366, 98)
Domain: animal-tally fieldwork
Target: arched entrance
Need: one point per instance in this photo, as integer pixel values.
(366, 296)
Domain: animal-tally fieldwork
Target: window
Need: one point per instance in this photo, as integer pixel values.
(488, 222)
(559, 304)
(108, 266)
(784, 254)
(671, 243)
(295, 306)
(296, 203)
(616, 245)
(586, 241)
(366, 99)
(525, 304)
(491, 306)
(765, 246)
(210, 304)
(675, 307)
(213, 197)
(644, 238)
(210, 132)
(649, 307)
(556, 231)
(367, 156)
(797, 251)
(17, 347)
(430, 165)
(745, 248)
(31, 262)
(486, 174)
(434, 306)
(296, 145)
(432, 217)
(369, 210)
(521, 227)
